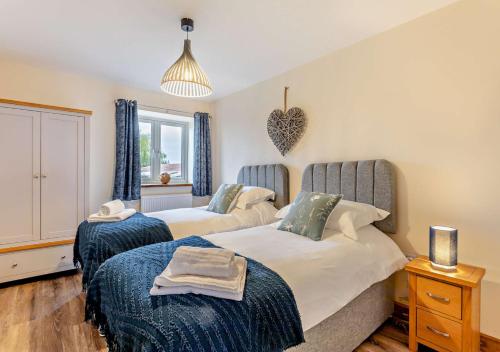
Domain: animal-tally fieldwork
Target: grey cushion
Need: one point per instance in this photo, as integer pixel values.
(309, 213)
(223, 199)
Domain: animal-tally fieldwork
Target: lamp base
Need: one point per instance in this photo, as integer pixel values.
(447, 268)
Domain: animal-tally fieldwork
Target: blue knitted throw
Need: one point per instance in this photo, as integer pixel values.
(98, 241)
(118, 300)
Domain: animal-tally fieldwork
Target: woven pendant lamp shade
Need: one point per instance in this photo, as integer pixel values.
(185, 78)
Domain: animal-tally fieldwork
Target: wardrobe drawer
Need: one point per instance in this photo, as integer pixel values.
(441, 331)
(36, 260)
(438, 296)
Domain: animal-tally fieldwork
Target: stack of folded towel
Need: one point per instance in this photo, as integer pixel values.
(111, 212)
(213, 272)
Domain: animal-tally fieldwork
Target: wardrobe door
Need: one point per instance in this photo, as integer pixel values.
(62, 174)
(19, 175)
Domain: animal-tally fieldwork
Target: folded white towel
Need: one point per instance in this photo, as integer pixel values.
(211, 255)
(232, 283)
(111, 208)
(125, 214)
(179, 268)
(216, 262)
(180, 290)
(229, 288)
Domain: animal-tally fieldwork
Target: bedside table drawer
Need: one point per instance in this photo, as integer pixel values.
(439, 296)
(438, 330)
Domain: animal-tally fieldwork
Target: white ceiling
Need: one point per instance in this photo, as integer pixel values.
(237, 42)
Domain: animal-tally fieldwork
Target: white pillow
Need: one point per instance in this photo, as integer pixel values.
(264, 210)
(347, 217)
(250, 195)
(283, 212)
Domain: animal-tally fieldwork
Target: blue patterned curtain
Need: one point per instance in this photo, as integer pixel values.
(128, 165)
(202, 173)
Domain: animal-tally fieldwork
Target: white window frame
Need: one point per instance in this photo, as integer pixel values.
(155, 151)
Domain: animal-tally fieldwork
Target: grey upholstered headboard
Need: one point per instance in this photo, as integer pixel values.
(365, 181)
(272, 176)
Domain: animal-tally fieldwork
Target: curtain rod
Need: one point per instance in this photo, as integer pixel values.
(187, 113)
(164, 109)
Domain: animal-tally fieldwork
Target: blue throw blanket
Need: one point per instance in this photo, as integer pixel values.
(118, 301)
(98, 241)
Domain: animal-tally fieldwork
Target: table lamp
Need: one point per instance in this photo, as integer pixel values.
(443, 247)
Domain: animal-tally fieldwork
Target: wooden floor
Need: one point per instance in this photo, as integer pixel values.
(47, 315)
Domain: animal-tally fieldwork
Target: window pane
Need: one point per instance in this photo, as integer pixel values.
(171, 151)
(145, 140)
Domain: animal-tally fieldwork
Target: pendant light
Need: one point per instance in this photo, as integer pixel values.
(185, 78)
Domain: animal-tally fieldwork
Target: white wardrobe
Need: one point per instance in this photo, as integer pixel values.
(43, 163)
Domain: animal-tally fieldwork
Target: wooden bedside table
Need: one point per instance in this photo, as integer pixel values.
(444, 306)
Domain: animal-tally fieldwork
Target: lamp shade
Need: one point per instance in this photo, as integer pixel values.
(185, 78)
(443, 247)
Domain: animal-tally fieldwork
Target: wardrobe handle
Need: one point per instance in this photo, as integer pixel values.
(44, 176)
(35, 176)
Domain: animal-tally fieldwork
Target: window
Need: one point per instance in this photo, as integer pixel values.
(164, 144)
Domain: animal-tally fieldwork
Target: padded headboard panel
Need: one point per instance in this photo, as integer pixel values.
(272, 176)
(365, 181)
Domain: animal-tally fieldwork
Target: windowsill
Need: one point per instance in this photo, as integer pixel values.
(150, 185)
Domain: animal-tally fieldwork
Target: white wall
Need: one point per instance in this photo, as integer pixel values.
(425, 96)
(26, 82)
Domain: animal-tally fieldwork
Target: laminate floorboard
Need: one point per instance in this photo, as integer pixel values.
(46, 315)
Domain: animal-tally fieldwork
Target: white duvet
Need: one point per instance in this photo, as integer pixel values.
(198, 221)
(323, 275)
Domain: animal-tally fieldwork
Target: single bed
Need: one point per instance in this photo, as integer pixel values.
(97, 242)
(367, 181)
(185, 222)
(324, 275)
(342, 287)
(198, 221)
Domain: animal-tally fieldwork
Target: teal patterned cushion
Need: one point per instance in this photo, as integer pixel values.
(309, 213)
(222, 200)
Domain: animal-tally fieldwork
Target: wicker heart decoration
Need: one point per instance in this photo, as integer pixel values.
(286, 128)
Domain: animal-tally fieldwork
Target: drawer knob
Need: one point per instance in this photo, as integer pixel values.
(438, 298)
(63, 257)
(437, 332)
(14, 265)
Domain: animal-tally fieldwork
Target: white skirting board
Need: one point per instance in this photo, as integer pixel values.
(165, 202)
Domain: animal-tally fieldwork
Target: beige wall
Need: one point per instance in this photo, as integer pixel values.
(48, 86)
(425, 96)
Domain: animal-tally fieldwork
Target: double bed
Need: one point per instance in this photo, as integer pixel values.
(342, 287)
